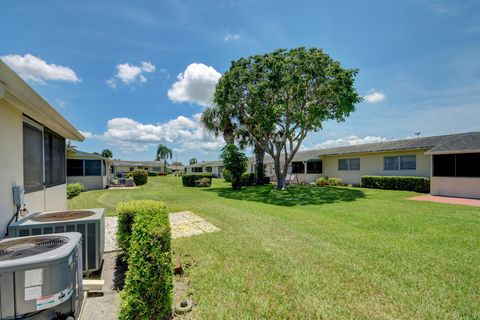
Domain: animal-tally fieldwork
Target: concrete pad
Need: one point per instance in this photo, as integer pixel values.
(449, 200)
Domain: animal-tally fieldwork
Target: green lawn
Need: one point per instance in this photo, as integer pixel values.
(311, 253)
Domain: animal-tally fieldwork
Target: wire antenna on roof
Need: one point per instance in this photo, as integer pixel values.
(417, 134)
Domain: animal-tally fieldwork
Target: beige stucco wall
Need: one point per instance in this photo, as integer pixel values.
(455, 187)
(11, 156)
(372, 164)
(11, 170)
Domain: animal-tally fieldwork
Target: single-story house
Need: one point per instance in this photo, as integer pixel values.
(451, 161)
(213, 167)
(33, 148)
(175, 168)
(91, 170)
(120, 167)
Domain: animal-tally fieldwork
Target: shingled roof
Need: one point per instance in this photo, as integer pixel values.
(460, 142)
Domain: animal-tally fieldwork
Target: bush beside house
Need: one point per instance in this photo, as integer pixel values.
(322, 181)
(417, 184)
(197, 180)
(74, 189)
(144, 235)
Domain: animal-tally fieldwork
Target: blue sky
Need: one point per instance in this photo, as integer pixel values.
(133, 74)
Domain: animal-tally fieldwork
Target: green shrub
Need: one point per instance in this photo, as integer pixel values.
(152, 174)
(417, 184)
(74, 189)
(148, 282)
(236, 162)
(197, 180)
(322, 181)
(140, 177)
(248, 179)
(227, 175)
(126, 212)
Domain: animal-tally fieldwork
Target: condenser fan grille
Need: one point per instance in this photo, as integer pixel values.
(27, 247)
(62, 216)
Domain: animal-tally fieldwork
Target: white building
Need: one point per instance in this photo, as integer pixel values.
(32, 144)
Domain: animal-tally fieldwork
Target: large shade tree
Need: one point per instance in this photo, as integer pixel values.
(164, 153)
(107, 153)
(278, 98)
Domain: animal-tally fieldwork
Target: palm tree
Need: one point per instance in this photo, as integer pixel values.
(164, 153)
(70, 145)
(193, 160)
(218, 122)
(107, 153)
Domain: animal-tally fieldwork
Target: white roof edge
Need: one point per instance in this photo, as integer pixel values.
(20, 95)
(452, 151)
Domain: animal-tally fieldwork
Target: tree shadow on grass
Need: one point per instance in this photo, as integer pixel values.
(293, 196)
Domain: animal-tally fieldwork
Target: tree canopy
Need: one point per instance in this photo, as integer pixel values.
(235, 162)
(164, 153)
(193, 160)
(277, 98)
(107, 153)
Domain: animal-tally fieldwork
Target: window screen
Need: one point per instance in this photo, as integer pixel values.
(314, 167)
(208, 169)
(349, 164)
(468, 165)
(408, 162)
(93, 167)
(74, 168)
(391, 163)
(342, 164)
(298, 167)
(54, 147)
(32, 158)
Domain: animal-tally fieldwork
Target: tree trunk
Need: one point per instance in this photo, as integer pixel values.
(278, 172)
(229, 134)
(259, 167)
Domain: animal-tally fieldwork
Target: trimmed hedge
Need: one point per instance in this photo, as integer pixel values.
(227, 175)
(140, 177)
(74, 189)
(148, 283)
(126, 212)
(417, 184)
(197, 180)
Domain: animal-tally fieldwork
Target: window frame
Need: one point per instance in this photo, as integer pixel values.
(349, 165)
(36, 127)
(315, 165)
(399, 162)
(50, 181)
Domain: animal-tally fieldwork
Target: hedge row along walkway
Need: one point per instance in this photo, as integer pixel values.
(450, 200)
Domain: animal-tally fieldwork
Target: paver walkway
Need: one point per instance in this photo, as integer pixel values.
(187, 224)
(450, 200)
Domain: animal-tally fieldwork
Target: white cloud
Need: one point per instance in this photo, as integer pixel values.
(33, 68)
(129, 74)
(346, 141)
(187, 133)
(231, 37)
(375, 96)
(86, 134)
(196, 84)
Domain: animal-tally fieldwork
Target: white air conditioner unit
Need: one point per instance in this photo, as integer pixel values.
(90, 223)
(41, 277)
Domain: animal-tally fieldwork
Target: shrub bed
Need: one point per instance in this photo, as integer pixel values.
(417, 184)
(148, 283)
(74, 189)
(197, 180)
(140, 177)
(329, 182)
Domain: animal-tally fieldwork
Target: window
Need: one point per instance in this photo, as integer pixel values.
(32, 158)
(349, 164)
(456, 165)
(208, 169)
(314, 167)
(298, 167)
(93, 167)
(196, 169)
(408, 162)
(54, 148)
(74, 168)
(157, 169)
(131, 169)
(146, 168)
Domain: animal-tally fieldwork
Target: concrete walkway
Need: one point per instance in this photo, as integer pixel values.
(450, 200)
(187, 224)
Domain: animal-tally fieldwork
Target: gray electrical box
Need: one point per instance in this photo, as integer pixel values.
(18, 195)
